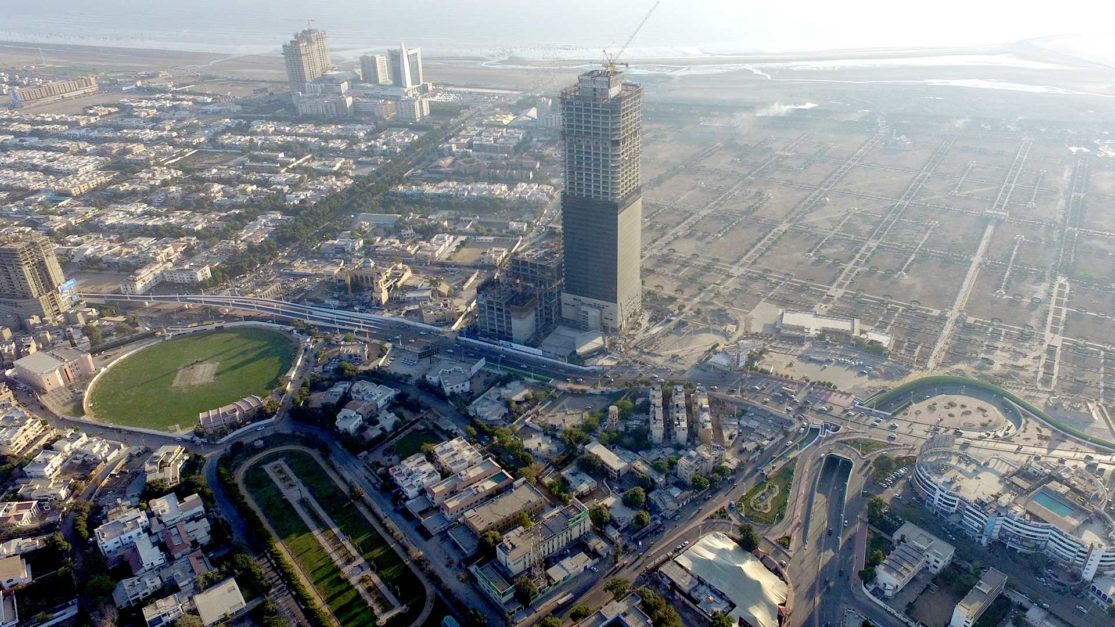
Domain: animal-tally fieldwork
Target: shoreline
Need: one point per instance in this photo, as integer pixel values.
(48, 50)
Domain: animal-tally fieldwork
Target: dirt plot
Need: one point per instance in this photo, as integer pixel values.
(1090, 299)
(196, 374)
(909, 232)
(1037, 249)
(956, 232)
(866, 179)
(983, 302)
(838, 248)
(1090, 327)
(1094, 258)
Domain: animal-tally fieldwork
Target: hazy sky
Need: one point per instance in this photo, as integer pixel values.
(705, 25)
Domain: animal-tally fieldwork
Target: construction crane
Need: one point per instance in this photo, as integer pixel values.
(612, 62)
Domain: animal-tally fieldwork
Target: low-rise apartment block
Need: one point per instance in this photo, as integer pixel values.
(524, 547)
(978, 599)
(453, 456)
(165, 465)
(916, 550)
(502, 512)
(414, 474)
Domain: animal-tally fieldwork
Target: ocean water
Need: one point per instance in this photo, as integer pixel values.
(551, 29)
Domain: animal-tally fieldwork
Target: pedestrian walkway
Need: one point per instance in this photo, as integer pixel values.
(336, 544)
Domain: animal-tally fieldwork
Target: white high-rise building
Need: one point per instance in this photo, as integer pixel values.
(406, 67)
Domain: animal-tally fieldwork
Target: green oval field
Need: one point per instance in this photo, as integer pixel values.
(169, 383)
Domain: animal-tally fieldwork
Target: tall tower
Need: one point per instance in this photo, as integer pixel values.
(602, 208)
(30, 278)
(373, 68)
(307, 57)
(406, 66)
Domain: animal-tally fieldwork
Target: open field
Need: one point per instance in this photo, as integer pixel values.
(169, 383)
(343, 600)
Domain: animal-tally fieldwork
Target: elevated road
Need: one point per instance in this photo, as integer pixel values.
(384, 328)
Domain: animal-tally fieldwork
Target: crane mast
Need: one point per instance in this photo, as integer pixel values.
(611, 62)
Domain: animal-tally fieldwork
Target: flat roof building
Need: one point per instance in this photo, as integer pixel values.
(524, 547)
(718, 576)
(220, 602)
(978, 599)
(916, 550)
(1030, 508)
(501, 512)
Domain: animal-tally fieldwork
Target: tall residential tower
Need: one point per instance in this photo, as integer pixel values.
(602, 208)
(373, 69)
(30, 278)
(307, 58)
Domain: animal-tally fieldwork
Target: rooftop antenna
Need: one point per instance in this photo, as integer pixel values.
(611, 62)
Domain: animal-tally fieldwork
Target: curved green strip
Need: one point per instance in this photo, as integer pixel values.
(878, 399)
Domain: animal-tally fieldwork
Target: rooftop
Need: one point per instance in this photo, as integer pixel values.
(739, 576)
(981, 595)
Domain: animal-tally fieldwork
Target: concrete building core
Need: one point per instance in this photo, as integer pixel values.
(602, 211)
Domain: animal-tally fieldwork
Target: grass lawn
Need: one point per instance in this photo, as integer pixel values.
(864, 446)
(412, 442)
(154, 387)
(341, 598)
(371, 545)
(782, 480)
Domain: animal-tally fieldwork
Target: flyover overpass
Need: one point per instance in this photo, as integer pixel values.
(387, 328)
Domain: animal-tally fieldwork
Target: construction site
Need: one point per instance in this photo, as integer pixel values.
(972, 248)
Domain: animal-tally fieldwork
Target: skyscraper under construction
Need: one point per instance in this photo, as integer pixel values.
(307, 58)
(602, 209)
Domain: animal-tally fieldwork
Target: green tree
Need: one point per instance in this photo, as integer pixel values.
(748, 540)
(876, 508)
(525, 590)
(884, 465)
(656, 608)
(699, 483)
(591, 464)
(550, 621)
(600, 516)
(528, 473)
(641, 519)
(635, 498)
(573, 437)
(355, 492)
(617, 587)
(875, 558)
(580, 612)
(490, 540)
(721, 619)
